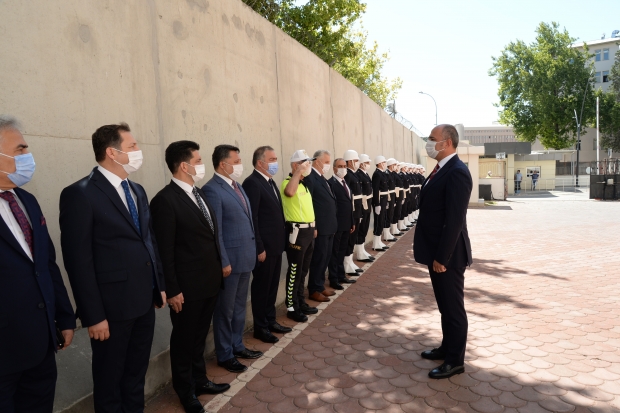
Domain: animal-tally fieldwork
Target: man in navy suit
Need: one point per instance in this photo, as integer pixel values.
(442, 243)
(32, 293)
(233, 214)
(111, 257)
(270, 234)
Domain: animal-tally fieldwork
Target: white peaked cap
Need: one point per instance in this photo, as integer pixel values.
(391, 162)
(350, 155)
(364, 158)
(379, 159)
(300, 155)
(401, 164)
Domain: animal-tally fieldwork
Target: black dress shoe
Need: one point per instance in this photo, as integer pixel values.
(354, 274)
(209, 387)
(247, 354)
(434, 354)
(297, 316)
(336, 286)
(232, 365)
(265, 335)
(277, 328)
(307, 310)
(371, 258)
(392, 240)
(193, 405)
(364, 260)
(445, 370)
(359, 270)
(347, 281)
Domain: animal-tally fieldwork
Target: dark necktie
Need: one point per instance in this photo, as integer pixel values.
(20, 216)
(344, 185)
(240, 195)
(202, 207)
(275, 188)
(433, 173)
(131, 205)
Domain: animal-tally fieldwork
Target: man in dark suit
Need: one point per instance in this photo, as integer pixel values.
(441, 242)
(270, 234)
(113, 264)
(324, 203)
(346, 225)
(33, 298)
(233, 214)
(186, 234)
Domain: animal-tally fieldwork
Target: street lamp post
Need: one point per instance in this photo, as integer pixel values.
(435, 105)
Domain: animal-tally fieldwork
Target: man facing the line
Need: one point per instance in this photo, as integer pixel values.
(442, 243)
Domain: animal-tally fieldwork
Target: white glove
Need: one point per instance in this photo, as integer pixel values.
(377, 210)
(403, 202)
(387, 206)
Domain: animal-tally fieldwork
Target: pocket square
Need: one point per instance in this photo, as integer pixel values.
(43, 221)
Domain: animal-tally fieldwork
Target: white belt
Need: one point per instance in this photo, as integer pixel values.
(418, 186)
(358, 197)
(384, 193)
(300, 225)
(368, 196)
(391, 191)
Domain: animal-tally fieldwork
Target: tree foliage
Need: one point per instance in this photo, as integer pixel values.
(330, 29)
(542, 84)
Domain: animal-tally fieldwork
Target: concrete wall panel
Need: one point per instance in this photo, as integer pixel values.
(387, 135)
(371, 114)
(346, 102)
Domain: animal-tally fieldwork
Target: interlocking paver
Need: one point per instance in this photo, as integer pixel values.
(544, 326)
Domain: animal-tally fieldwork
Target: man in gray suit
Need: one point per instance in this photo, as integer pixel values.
(238, 251)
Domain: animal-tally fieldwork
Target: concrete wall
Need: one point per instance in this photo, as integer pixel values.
(210, 71)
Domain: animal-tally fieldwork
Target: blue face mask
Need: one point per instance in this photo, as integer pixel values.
(24, 169)
(272, 168)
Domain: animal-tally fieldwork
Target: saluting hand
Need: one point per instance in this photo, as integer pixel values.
(100, 331)
(437, 267)
(176, 302)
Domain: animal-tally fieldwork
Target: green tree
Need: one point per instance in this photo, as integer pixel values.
(329, 28)
(542, 84)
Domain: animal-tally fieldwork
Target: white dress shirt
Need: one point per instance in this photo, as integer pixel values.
(115, 180)
(11, 222)
(226, 179)
(189, 190)
(341, 181)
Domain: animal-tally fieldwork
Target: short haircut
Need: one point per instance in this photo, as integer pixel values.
(108, 136)
(259, 153)
(339, 159)
(179, 152)
(450, 132)
(8, 122)
(222, 152)
(320, 153)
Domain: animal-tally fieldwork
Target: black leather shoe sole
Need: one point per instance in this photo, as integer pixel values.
(347, 281)
(280, 329)
(233, 368)
(336, 286)
(443, 373)
(309, 310)
(213, 388)
(248, 354)
(266, 338)
(300, 318)
(366, 260)
(433, 355)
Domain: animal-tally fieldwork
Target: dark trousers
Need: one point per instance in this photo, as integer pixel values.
(336, 261)
(298, 256)
(190, 327)
(364, 225)
(320, 259)
(265, 290)
(398, 207)
(120, 363)
(448, 288)
(381, 217)
(357, 216)
(390, 212)
(30, 390)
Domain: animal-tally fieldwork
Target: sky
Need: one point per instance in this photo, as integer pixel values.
(444, 48)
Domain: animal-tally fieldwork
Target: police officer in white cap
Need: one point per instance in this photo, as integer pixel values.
(359, 253)
(380, 201)
(352, 159)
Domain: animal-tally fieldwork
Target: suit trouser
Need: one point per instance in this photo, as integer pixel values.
(120, 363)
(30, 390)
(357, 216)
(364, 225)
(398, 208)
(336, 261)
(448, 287)
(229, 316)
(380, 217)
(265, 281)
(390, 212)
(320, 259)
(298, 256)
(190, 327)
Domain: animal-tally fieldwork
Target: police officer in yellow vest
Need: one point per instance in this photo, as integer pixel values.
(299, 216)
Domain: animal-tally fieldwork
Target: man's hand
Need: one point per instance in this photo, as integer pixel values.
(226, 271)
(176, 302)
(163, 300)
(437, 267)
(316, 233)
(100, 331)
(262, 256)
(68, 335)
(352, 229)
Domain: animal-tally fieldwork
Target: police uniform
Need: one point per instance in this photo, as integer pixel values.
(366, 183)
(380, 195)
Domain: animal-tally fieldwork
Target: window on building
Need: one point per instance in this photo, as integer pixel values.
(606, 76)
(597, 77)
(597, 55)
(605, 54)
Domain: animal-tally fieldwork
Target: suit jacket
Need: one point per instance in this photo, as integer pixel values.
(114, 270)
(441, 232)
(324, 203)
(236, 235)
(267, 214)
(355, 185)
(379, 184)
(366, 183)
(344, 204)
(189, 249)
(32, 294)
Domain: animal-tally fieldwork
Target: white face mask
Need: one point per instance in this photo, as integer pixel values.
(356, 165)
(341, 173)
(200, 172)
(325, 169)
(236, 173)
(430, 149)
(135, 161)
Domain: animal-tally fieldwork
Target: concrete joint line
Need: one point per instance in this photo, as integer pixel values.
(242, 379)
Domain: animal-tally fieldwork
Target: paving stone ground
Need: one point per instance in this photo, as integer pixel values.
(544, 326)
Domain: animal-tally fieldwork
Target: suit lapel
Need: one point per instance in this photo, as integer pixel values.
(190, 204)
(35, 222)
(8, 236)
(271, 190)
(106, 187)
(143, 211)
(232, 192)
(441, 172)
